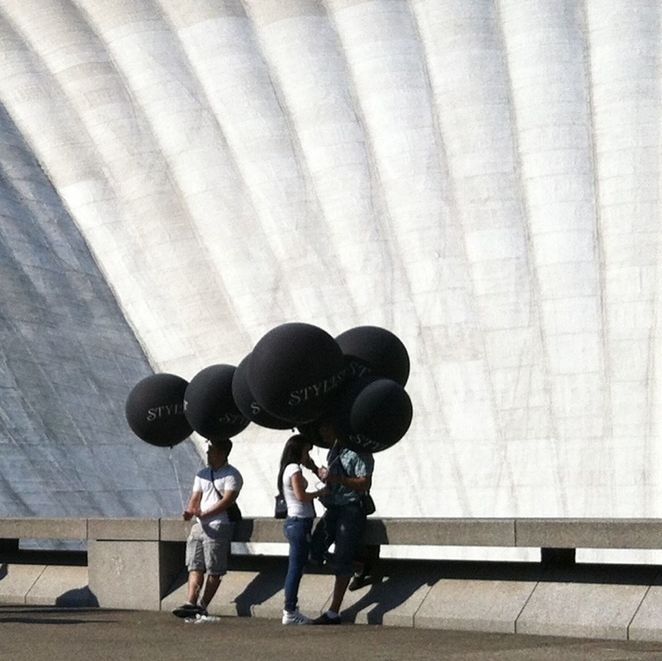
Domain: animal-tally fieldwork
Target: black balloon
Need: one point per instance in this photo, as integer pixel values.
(210, 407)
(373, 414)
(245, 401)
(295, 372)
(155, 410)
(378, 349)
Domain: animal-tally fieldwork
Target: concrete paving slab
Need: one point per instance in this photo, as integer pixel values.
(581, 610)
(56, 634)
(647, 623)
(474, 605)
(16, 581)
(61, 586)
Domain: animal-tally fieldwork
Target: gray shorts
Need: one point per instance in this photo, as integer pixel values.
(208, 551)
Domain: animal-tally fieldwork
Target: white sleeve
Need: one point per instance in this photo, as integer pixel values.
(233, 482)
(197, 484)
(290, 469)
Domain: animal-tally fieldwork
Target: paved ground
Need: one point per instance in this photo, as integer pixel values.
(33, 633)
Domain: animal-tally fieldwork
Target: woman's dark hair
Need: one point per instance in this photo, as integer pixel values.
(291, 455)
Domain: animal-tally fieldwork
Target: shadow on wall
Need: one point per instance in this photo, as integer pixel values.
(386, 595)
(81, 597)
(264, 586)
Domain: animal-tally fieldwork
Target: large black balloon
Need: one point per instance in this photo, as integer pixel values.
(245, 401)
(295, 372)
(373, 414)
(377, 348)
(210, 407)
(155, 410)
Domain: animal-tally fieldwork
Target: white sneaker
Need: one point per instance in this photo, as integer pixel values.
(294, 617)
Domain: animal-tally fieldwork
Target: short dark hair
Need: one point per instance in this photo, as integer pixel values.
(222, 444)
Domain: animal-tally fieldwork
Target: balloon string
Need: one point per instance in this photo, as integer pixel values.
(179, 486)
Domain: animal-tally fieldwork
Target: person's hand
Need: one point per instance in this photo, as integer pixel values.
(188, 515)
(323, 473)
(310, 464)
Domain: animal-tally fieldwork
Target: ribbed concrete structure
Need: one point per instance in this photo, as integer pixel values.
(482, 178)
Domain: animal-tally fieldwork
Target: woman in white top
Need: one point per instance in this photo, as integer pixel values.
(299, 522)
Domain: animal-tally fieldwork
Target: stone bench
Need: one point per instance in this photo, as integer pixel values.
(139, 564)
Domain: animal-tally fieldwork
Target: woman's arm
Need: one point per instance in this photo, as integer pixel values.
(299, 489)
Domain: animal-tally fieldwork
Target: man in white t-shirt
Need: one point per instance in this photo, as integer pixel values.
(215, 489)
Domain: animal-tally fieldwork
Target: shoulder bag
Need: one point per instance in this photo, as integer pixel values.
(234, 513)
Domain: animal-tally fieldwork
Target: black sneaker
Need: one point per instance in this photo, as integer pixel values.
(325, 618)
(187, 610)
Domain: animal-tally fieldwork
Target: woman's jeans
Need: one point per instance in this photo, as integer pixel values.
(297, 530)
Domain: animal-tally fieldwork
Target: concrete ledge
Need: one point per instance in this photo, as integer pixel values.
(530, 533)
(239, 593)
(43, 528)
(474, 605)
(583, 610)
(123, 529)
(17, 580)
(393, 599)
(61, 586)
(125, 574)
(416, 532)
(647, 622)
(254, 588)
(589, 533)
(174, 530)
(314, 595)
(441, 532)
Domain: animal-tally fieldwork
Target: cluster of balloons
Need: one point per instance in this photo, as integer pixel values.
(296, 376)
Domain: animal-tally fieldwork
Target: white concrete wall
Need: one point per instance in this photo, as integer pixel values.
(482, 178)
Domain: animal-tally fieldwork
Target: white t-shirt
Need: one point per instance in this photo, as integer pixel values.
(226, 478)
(294, 506)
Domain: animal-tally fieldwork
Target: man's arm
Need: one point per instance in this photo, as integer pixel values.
(354, 483)
(228, 498)
(193, 507)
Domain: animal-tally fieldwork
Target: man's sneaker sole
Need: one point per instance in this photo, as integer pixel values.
(325, 619)
(187, 611)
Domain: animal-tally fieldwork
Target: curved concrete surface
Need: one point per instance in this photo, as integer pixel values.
(481, 178)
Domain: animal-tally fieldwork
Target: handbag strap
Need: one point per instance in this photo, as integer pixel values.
(218, 493)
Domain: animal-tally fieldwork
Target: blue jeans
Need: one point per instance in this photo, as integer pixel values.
(343, 525)
(297, 530)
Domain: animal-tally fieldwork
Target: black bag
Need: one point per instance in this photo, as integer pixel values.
(280, 508)
(367, 503)
(234, 513)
